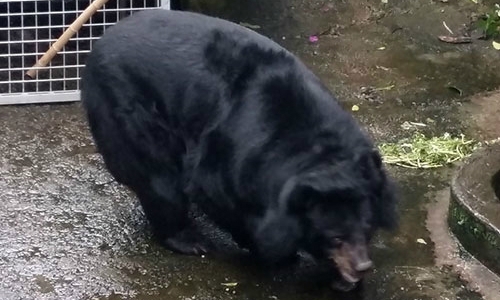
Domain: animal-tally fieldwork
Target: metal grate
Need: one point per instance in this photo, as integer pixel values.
(29, 27)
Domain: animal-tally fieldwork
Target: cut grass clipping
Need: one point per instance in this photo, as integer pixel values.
(420, 152)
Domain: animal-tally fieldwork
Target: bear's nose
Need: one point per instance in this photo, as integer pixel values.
(363, 266)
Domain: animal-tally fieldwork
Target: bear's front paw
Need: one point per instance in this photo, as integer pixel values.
(187, 242)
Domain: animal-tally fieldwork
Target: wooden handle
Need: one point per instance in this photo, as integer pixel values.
(65, 37)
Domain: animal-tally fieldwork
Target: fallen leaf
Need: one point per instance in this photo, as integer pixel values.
(229, 284)
(455, 39)
(496, 45)
(475, 1)
(381, 48)
(355, 108)
(385, 1)
(421, 241)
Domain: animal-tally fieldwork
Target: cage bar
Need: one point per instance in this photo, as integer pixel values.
(29, 27)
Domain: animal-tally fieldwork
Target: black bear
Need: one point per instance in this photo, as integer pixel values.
(186, 108)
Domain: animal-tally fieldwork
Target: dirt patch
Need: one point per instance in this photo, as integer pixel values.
(484, 110)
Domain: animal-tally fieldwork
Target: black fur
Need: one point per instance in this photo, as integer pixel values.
(187, 108)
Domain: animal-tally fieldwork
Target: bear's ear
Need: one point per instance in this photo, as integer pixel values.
(277, 237)
(330, 184)
(293, 196)
(370, 164)
(297, 195)
(278, 233)
(385, 205)
(376, 158)
(384, 188)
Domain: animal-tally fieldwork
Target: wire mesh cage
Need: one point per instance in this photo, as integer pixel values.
(27, 30)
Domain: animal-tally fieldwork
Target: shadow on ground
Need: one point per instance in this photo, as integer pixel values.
(69, 232)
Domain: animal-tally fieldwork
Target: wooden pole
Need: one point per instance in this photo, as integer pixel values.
(65, 37)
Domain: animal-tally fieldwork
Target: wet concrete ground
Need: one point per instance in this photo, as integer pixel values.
(67, 231)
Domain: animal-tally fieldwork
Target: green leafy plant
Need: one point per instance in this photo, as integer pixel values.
(490, 23)
(421, 152)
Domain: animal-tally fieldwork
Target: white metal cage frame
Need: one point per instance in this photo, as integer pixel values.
(29, 27)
